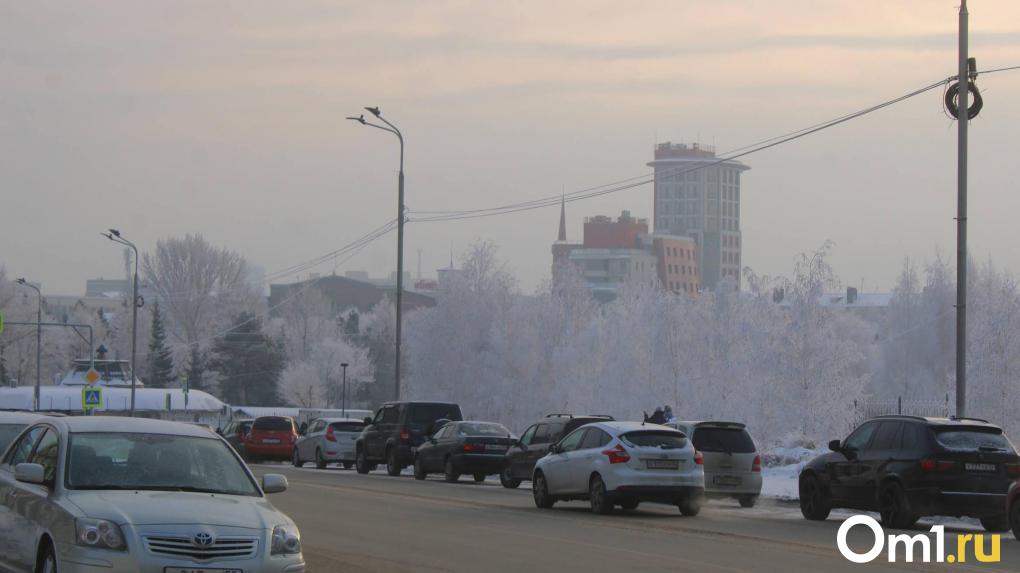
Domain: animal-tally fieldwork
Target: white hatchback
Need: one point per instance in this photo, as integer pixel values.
(621, 463)
(129, 494)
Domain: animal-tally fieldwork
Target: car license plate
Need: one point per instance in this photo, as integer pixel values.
(494, 447)
(662, 464)
(199, 570)
(268, 441)
(979, 467)
(726, 480)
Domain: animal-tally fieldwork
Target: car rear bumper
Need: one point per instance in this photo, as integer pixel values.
(934, 501)
(722, 484)
(661, 494)
(281, 451)
(338, 453)
(617, 477)
(479, 463)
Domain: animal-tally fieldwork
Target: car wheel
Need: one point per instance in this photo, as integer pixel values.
(1014, 519)
(479, 478)
(48, 560)
(996, 523)
(630, 504)
(507, 480)
(451, 474)
(601, 503)
(419, 469)
(690, 506)
(540, 491)
(361, 462)
(297, 459)
(815, 504)
(347, 465)
(392, 466)
(893, 508)
(747, 500)
(319, 461)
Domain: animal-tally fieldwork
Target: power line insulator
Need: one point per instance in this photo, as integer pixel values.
(976, 104)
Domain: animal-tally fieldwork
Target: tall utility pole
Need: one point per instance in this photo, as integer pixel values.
(38, 344)
(115, 236)
(343, 390)
(962, 119)
(400, 234)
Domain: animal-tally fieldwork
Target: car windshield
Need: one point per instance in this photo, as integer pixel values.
(427, 413)
(273, 425)
(654, 439)
(7, 434)
(973, 440)
(158, 462)
(482, 429)
(728, 440)
(347, 426)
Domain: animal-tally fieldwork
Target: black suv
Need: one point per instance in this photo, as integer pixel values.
(906, 467)
(398, 428)
(535, 441)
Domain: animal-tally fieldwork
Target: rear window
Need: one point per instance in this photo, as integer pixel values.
(273, 425)
(972, 440)
(347, 426)
(478, 429)
(654, 439)
(729, 440)
(7, 434)
(427, 413)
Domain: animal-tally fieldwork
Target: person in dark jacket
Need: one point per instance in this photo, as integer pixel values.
(657, 417)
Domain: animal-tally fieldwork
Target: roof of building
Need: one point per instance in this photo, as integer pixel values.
(68, 399)
(124, 424)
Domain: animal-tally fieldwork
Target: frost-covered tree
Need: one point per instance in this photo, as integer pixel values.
(160, 360)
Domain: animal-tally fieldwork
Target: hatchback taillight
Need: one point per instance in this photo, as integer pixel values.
(698, 458)
(1013, 470)
(330, 436)
(405, 436)
(756, 464)
(931, 466)
(617, 455)
(472, 447)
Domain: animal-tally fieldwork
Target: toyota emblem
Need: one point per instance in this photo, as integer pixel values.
(203, 539)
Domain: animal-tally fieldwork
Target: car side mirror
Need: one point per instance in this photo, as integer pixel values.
(368, 421)
(835, 445)
(554, 449)
(30, 473)
(274, 483)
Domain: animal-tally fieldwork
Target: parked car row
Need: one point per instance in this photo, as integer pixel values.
(131, 494)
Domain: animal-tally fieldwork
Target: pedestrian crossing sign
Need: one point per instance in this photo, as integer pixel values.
(91, 397)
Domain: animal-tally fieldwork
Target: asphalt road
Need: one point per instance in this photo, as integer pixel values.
(376, 523)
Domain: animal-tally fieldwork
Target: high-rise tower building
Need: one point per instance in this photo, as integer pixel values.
(698, 195)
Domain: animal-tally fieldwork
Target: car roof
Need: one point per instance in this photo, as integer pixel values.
(331, 420)
(20, 417)
(712, 423)
(423, 403)
(274, 417)
(623, 427)
(940, 421)
(123, 424)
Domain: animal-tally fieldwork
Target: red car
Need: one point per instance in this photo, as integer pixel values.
(271, 437)
(1013, 506)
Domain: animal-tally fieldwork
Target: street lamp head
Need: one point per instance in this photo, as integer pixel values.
(20, 281)
(360, 119)
(374, 110)
(115, 232)
(344, 365)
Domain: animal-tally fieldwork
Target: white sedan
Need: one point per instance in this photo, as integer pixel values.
(621, 463)
(128, 494)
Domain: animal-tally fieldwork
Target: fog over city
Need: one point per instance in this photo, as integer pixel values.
(227, 119)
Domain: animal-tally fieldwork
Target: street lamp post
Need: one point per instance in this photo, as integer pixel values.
(343, 390)
(400, 233)
(115, 236)
(38, 343)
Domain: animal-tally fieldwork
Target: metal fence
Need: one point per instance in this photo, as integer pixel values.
(929, 408)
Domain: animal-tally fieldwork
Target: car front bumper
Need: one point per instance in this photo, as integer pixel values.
(75, 559)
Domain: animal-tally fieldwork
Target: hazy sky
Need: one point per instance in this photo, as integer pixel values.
(227, 119)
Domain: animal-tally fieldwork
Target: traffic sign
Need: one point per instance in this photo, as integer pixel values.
(91, 397)
(92, 375)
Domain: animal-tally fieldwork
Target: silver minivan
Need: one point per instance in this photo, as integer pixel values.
(732, 461)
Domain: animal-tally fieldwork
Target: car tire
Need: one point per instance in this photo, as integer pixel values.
(540, 491)
(361, 462)
(47, 559)
(419, 469)
(600, 500)
(450, 473)
(630, 504)
(507, 480)
(393, 468)
(296, 459)
(996, 523)
(894, 509)
(690, 506)
(320, 463)
(815, 504)
(1014, 519)
(479, 478)
(747, 500)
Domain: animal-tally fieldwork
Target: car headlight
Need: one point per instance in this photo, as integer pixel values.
(99, 533)
(286, 540)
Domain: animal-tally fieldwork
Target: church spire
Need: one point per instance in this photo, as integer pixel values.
(563, 221)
